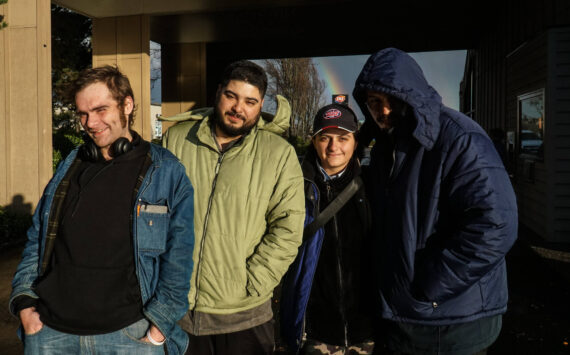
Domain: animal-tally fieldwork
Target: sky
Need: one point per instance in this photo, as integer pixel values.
(155, 85)
(443, 70)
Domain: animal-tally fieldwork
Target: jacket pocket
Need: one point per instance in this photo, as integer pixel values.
(152, 227)
(407, 306)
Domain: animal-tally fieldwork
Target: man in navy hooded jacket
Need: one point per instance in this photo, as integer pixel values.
(445, 214)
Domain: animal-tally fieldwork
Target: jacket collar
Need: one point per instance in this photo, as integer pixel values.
(277, 123)
(206, 136)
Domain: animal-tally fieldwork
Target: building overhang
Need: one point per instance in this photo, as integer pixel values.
(304, 27)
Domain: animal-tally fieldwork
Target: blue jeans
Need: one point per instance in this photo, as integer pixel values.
(125, 341)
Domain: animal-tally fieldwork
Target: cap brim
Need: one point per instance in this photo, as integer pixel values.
(327, 127)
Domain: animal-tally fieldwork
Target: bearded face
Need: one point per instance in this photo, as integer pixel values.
(385, 110)
(238, 108)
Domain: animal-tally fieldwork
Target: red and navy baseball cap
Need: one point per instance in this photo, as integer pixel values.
(335, 116)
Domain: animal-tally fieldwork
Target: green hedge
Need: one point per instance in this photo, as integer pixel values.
(13, 227)
(65, 138)
(299, 144)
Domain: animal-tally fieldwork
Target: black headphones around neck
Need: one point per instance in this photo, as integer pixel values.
(91, 152)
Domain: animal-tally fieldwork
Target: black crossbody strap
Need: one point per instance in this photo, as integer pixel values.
(333, 207)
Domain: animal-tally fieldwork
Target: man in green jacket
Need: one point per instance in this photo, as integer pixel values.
(249, 212)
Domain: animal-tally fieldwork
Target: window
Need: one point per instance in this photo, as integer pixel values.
(531, 123)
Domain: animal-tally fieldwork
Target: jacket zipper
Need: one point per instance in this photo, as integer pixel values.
(391, 176)
(198, 264)
(339, 270)
(316, 207)
(393, 162)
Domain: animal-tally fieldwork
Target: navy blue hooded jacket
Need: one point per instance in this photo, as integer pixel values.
(444, 207)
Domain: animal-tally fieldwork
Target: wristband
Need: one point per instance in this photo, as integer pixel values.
(152, 341)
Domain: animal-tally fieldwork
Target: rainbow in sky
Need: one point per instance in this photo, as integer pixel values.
(334, 84)
(332, 81)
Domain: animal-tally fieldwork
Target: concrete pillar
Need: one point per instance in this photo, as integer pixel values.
(183, 78)
(125, 42)
(25, 103)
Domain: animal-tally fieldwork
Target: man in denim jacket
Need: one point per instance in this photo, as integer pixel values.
(106, 268)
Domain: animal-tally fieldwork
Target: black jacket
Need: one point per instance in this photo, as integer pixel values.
(340, 304)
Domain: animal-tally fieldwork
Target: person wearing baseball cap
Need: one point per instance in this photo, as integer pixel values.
(335, 116)
(326, 294)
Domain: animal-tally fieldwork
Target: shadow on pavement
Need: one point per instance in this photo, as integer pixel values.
(537, 320)
(538, 314)
(9, 342)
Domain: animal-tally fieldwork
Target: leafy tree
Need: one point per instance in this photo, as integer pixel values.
(71, 50)
(71, 53)
(2, 22)
(298, 80)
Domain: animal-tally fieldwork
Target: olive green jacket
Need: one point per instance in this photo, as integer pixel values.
(249, 209)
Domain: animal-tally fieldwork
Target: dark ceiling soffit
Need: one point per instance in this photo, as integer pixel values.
(425, 27)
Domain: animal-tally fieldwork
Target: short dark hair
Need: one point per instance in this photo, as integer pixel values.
(117, 83)
(248, 71)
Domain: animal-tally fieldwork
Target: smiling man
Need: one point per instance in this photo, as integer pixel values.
(102, 118)
(249, 213)
(105, 267)
(333, 137)
(331, 275)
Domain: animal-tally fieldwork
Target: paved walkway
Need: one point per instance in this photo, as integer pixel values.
(9, 342)
(537, 320)
(538, 316)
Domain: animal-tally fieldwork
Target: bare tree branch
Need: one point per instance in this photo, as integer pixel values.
(298, 80)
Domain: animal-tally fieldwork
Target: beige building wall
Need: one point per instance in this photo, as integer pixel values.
(25, 103)
(183, 78)
(125, 42)
(25, 88)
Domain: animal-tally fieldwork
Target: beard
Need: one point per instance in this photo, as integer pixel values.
(385, 122)
(124, 120)
(395, 118)
(230, 130)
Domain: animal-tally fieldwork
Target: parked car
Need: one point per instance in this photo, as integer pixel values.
(530, 142)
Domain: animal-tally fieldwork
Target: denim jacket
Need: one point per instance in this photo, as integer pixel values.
(163, 239)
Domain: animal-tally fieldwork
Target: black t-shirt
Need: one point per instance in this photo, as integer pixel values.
(91, 285)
